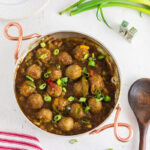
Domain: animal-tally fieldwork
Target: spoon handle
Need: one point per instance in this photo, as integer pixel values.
(143, 133)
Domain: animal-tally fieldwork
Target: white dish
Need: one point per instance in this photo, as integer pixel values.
(12, 9)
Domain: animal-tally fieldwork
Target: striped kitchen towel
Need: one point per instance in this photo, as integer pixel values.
(15, 141)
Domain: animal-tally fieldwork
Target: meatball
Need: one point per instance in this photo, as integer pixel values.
(95, 107)
(60, 103)
(35, 101)
(55, 74)
(64, 58)
(74, 72)
(76, 111)
(43, 54)
(96, 83)
(66, 124)
(56, 92)
(34, 71)
(81, 52)
(81, 89)
(45, 115)
(25, 89)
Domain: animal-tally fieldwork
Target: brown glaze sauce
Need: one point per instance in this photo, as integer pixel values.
(102, 68)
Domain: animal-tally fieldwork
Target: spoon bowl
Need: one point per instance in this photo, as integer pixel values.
(139, 100)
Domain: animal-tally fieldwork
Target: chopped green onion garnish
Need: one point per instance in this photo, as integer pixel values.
(82, 99)
(32, 85)
(99, 95)
(101, 57)
(107, 98)
(77, 110)
(43, 56)
(58, 66)
(42, 86)
(57, 118)
(87, 108)
(71, 98)
(30, 78)
(72, 141)
(47, 98)
(85, 121)
(99, 99)
(43, 44)
(110, 149)
(46, 75)
(62, 81)
(86, 56)
(59, 82)
(92, 63)
(93, 55)
(56, 52)
(84, 72)
(64, 89)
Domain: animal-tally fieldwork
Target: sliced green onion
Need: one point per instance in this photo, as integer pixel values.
(43, 44)
(57, 118)
(71, 98)
(42, 86)
(99, 99)
(85, 56)
(92, 63)
(107, 98)
(30, 78)
(43, 56)
(87, 108)
(47, 98)
(77, 110)
(62, 81)
(56, 52)
(46, 75)
(58, 66)
(64, 89)
(72, 141)
(85, 72)
(93, 55)
(110, 149)
(59, 82)
(86, 121)
(32, 85)
(82, 99)
(101, 57)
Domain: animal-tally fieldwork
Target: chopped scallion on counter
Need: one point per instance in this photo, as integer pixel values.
(42, 44)
(42, 86)
(47, 98)
(71, 98)
(46, 75)
(72, 141)
(56, 52)
(32, 85)
(30, 78)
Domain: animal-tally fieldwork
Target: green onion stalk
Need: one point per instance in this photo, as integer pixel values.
(81, 6)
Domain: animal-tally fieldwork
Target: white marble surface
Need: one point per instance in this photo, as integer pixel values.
(133, 59)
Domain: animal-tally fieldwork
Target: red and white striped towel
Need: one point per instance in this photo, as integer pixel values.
(15, 141)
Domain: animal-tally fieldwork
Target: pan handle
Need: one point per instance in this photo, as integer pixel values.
(19, 38)
(115, 125)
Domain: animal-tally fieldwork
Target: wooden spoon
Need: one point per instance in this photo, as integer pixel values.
(139, 100)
